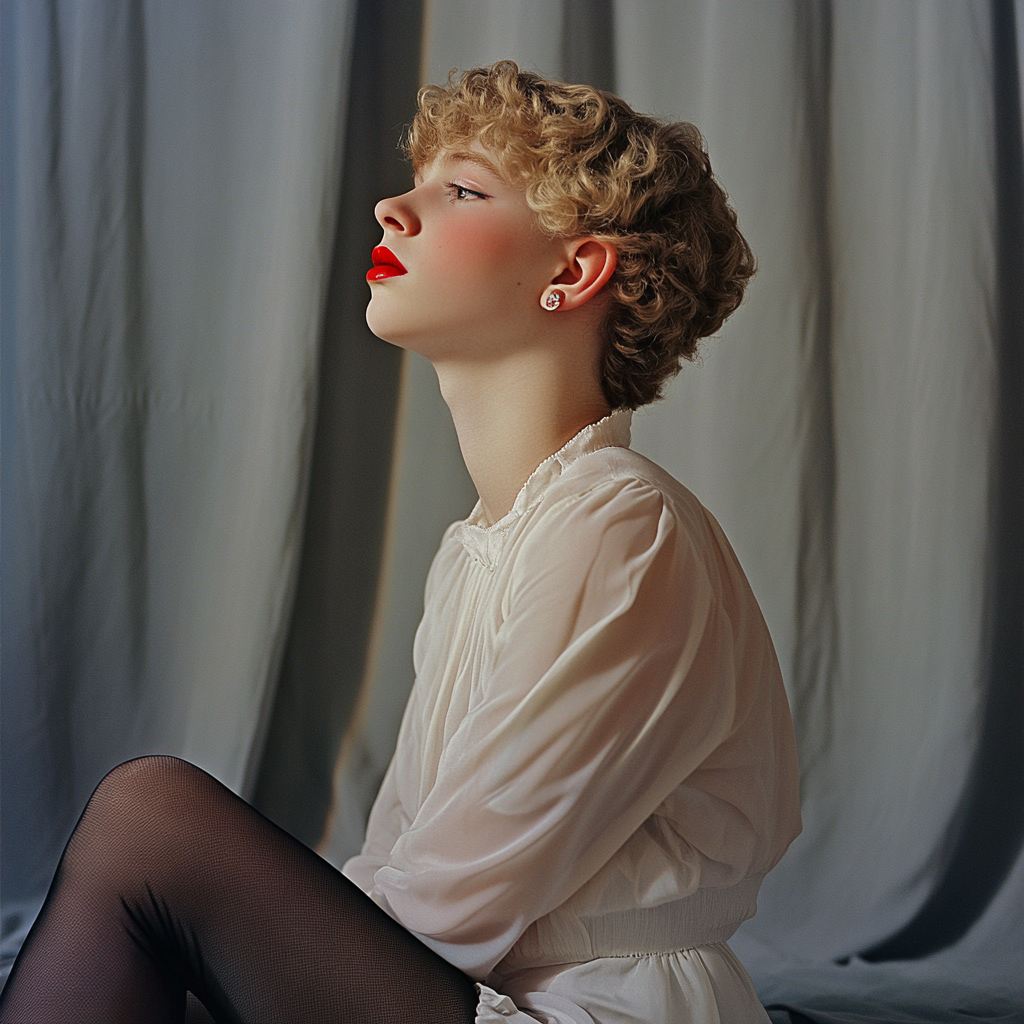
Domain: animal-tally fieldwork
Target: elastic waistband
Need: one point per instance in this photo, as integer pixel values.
(701, 919)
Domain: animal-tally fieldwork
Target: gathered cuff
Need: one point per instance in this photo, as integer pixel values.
(494, 1008)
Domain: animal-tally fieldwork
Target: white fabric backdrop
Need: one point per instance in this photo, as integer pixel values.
(840, 429)
(171, 186)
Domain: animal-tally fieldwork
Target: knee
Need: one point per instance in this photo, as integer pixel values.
(145, 779)
(140, 795)
(145, 772)
(134, 827)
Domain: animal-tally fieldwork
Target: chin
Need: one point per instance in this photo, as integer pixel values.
(377, 321)
(385, 328)
(427, 340)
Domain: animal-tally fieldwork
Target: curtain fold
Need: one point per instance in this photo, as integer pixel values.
(326, 649)
(170, 187)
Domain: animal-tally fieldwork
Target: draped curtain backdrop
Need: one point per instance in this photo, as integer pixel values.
(170, 188)
(221, 495)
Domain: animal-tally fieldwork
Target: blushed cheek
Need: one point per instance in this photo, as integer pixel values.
(478, 247)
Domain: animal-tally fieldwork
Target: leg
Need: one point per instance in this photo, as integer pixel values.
(170, 883)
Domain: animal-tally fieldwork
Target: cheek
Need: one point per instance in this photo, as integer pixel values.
(479, 247)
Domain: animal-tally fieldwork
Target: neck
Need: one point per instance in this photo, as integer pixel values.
(511, 414)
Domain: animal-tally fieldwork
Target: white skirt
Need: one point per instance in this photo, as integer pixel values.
(703, 985)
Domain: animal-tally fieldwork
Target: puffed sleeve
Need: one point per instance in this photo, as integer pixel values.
(614, 679)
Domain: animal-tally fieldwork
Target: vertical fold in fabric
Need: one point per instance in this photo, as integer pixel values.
(172, 195)
(985, 834)
(588, 43)
(76, 598)
(329, 632)
(912, 217)
(814, 650)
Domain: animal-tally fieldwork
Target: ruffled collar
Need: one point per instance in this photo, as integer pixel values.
(485, 542)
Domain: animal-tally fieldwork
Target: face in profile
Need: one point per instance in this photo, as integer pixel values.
(462, 261)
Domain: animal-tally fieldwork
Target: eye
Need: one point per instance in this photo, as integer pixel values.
(459, 192)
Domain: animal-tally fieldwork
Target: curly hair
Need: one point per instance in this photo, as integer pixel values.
(591, 166)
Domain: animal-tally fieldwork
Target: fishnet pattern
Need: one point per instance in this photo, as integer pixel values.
(171, 884)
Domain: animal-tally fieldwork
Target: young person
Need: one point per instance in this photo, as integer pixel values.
(596, 767)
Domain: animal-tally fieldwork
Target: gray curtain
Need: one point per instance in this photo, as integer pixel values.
(170, 183)
(182, 339)
(326, 651)
(853, 430)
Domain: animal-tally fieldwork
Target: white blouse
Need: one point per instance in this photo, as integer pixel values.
(596, 766)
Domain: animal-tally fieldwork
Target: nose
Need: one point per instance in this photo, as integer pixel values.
(397, 214)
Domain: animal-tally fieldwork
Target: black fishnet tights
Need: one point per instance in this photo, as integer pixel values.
(171, 883)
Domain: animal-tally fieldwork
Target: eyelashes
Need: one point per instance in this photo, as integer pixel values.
(459, 192)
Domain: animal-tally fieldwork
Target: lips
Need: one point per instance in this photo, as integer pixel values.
(385, 264)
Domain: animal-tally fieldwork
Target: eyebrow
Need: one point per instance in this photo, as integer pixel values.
(473, 158)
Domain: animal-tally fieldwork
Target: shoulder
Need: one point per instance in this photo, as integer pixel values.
(618, 484)
(611, 520)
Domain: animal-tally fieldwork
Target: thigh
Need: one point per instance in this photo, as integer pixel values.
(216, 899)
(277, 933)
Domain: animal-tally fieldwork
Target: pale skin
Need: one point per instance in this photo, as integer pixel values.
(520, 380)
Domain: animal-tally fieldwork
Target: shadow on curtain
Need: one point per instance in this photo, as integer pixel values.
(326, 650)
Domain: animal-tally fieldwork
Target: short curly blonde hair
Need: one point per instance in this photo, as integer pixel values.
(591, 166)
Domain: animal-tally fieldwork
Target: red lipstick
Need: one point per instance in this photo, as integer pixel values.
(385, 264)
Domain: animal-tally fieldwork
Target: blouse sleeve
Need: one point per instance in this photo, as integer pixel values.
(613, 680)
(387, 822)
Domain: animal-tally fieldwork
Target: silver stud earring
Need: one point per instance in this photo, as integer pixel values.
(553, 300)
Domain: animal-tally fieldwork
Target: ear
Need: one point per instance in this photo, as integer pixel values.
(590, 264)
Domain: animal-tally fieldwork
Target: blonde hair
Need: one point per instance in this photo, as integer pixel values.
(591, 166)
